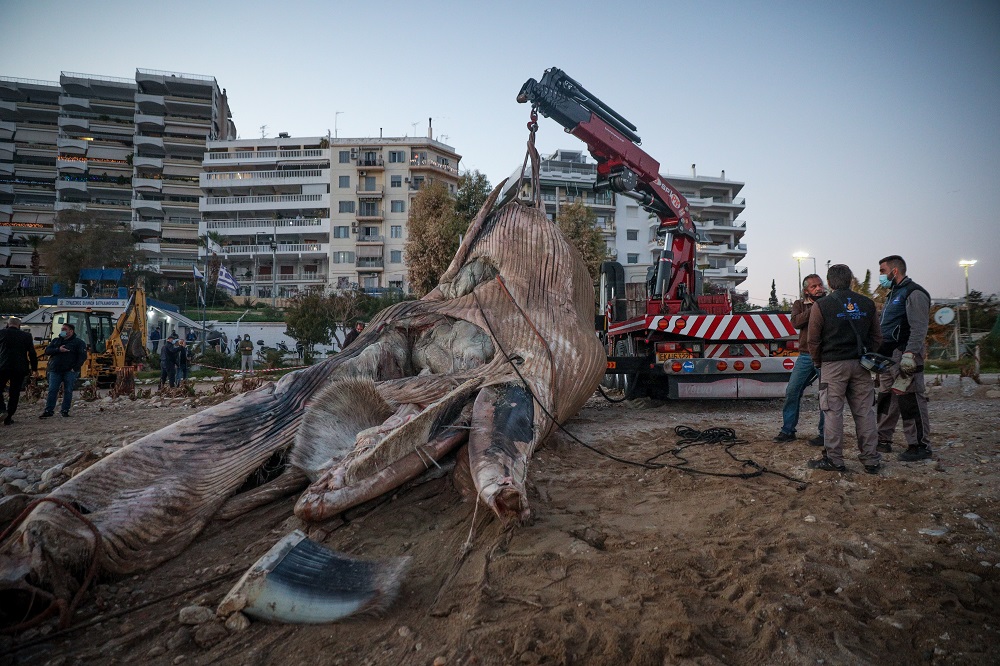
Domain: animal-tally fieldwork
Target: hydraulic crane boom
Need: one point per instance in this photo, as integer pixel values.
(628, 170)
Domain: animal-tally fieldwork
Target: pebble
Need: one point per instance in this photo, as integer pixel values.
(156, 651)
(404, 632)
(52, 472)
(237, 622)
(12, 474)
(181, 637)
(933, 531)
(20, 484)
(209, 634)
(196, 615)
(972, 516)
(810, 518)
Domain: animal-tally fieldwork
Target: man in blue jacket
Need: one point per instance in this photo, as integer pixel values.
(66, 355)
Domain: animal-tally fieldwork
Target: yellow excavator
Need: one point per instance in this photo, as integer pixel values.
(113, 344)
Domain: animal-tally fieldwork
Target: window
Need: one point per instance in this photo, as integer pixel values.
(396, 231)
(368, 209)
(633, 259)
(396, 284)
(395, 256)
(345, 157)
(342, 232)
(632, 234)
(397, 156)
(343, 257)
(369, 232)
(345, 181)
(632, 212)
(397, 206)
(395, 181)
(346, 206)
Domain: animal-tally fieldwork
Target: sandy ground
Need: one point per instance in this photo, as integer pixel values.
(621, 564)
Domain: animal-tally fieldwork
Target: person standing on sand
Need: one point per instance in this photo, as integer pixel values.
(17, 357)
(841, 327)
(804, 372)
(66, 356)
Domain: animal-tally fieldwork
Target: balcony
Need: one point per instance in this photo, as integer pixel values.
(371, 193)
(74, 125)
(78, 104)
(370, 214)
(144, 226)
(147, 184)
(149, 248)
(74, 187)
(370, 263)
(270, 225)
(370, 239)
(147, 206)
(267, 202)
(232, 180)
(72, 146)
(152, 146)
(371, 163)
(265, 279)
(149, 122)
(148, 163)
(153, 105)
(425, 164)
(7, 129)
(296, 249)
(266, 156)
(71, 166)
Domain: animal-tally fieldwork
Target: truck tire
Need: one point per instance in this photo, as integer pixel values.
(627, 382)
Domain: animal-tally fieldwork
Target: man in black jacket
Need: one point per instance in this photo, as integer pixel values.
(17, 356)
(842, 326)
(66, 355)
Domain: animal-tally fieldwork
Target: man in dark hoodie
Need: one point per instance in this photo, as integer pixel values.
(66, 355)
(17, 357)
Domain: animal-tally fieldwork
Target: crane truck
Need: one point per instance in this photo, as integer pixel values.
(685, 344)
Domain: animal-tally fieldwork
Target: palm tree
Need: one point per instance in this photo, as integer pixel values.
(36, 260)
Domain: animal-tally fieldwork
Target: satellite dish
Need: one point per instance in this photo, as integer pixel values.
(944, 316)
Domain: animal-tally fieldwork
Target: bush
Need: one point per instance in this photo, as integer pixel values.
(216, 359)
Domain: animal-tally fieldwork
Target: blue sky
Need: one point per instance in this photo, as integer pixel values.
(861, 129)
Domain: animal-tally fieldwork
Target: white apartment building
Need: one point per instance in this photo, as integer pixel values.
(301, 213)
(566, 176)
(714, 209)
(127, 149)
(29, 129)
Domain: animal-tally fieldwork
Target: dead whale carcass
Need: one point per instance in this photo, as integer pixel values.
(501, 350)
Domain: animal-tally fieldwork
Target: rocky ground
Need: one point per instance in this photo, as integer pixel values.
(621, 564)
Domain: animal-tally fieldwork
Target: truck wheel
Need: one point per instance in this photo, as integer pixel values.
(628, 382)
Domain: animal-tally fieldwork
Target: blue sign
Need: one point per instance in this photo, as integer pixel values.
(687, 366)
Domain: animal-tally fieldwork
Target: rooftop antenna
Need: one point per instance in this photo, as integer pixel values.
(415, 128)
(263, 131)
(335, 114)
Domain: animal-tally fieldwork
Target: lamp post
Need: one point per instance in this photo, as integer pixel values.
(274, 269)
(799, 256)
(966, 264)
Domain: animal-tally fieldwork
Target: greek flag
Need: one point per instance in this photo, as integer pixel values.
(227, 281)
(197, 273)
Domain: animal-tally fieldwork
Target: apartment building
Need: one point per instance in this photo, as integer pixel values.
(29, 130)
(714, 209)
(128, 149)
(300, 213)
(567, 176)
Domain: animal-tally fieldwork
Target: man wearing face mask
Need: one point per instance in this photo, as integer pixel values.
(66, 355)
(904, 323)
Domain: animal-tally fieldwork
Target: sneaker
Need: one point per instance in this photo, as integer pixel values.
(826, 465)
(784, 437)
(914, 453)
(884, 447)
(873, 469)
(816, 441)
(46, 415)
(64, 413)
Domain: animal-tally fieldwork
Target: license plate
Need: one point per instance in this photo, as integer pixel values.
(737, 350)
(663, 356)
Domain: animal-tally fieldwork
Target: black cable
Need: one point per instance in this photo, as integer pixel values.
(689, 436)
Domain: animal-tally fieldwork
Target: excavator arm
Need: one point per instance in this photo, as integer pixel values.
(626, 169)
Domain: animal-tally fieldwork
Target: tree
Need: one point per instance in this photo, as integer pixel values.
(84, 239)
(579, 224)
(433, 230)
(34, 242)
(309, 320)
(772, 302)
(473, 191)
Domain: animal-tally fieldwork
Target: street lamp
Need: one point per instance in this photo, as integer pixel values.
(274, 269)
(799, 256)
(966, 264)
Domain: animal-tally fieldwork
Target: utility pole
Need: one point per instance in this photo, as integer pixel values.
(966, 264)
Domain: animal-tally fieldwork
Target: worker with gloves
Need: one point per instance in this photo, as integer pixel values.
(904, 322)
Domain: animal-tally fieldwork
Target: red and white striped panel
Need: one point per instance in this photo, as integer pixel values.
(728, 327)
(758, 349)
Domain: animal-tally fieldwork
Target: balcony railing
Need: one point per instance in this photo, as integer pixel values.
(249, 155)
(283, 248)
(302, 276)
(376, 163)
(370, 191)
(369, 262)
(370, 238)
(267, 223)
(249, 178)
(266, 199)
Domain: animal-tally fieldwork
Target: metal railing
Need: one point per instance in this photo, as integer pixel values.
(157, 72)
(264, 222)
(266, 154)
(260, 175)
(273, 198)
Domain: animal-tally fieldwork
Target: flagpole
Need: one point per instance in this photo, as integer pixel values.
(204, 296)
